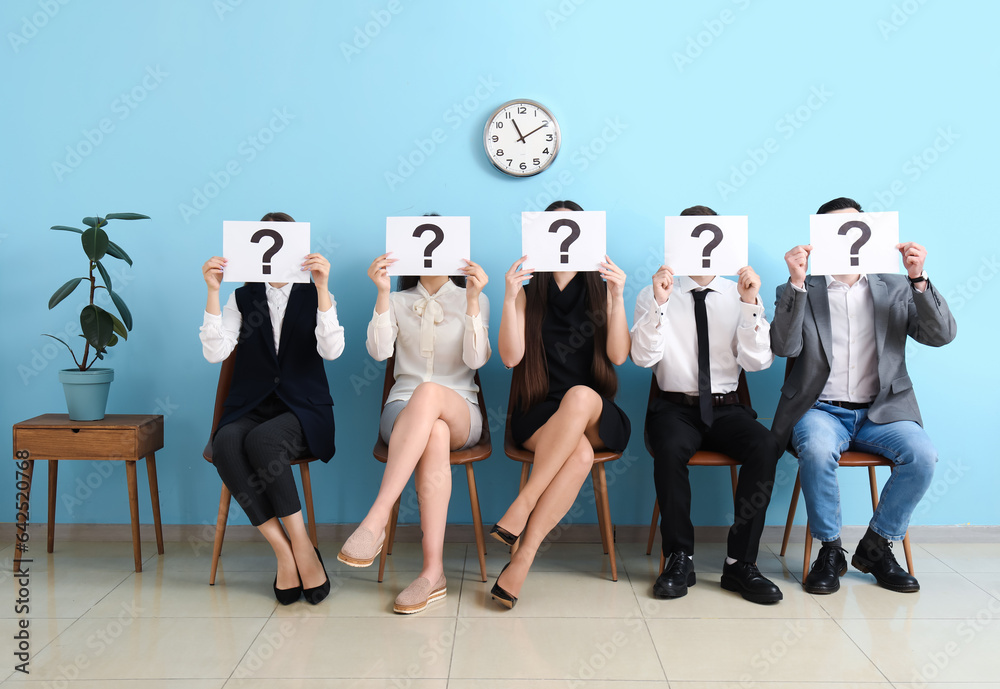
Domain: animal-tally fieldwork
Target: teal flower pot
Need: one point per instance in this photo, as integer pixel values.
(86, 392)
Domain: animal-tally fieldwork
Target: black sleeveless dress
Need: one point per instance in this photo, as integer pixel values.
(568, 339)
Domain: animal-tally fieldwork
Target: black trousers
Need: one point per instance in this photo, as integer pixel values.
(674, 433)
(253, 457)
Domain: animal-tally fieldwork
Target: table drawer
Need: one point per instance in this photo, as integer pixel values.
(81, 443)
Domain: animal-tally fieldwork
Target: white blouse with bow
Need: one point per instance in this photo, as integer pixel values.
(432, 338)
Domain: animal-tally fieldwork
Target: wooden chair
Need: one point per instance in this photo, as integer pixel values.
(477, 453)
(225, 380)
(847, 459)
(597, 473)
(701, 458)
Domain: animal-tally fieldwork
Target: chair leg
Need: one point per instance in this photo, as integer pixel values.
(806, 552)
(874, 487)
(477, 520)
(906, 551)
(308, 492)
(525, 471)
(390, 536)
(220, 531)
(734, 476)
(599, 508)
(652, 526)
(791, 513)
(602, 480)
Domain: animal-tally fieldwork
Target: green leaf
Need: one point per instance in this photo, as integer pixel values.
(119, 327)
(122, 309)
(113, 341)
(95, 221)
(64, 291)
(66, 228)
(95, 243)
(116, 251)
(127, 216)
(104, 274)
(97, 325)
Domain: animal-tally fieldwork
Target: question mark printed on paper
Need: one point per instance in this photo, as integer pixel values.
(866, 233)
(433, 244)
(278, 242)
(716, 240)
(574, 234)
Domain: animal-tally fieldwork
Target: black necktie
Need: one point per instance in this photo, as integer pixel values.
(704, 363)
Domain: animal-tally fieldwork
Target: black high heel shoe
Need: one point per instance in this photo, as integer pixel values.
(287, 596)
(316, 594)
(501, 596)
(503, 535)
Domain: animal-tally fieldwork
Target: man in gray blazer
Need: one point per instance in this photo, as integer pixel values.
(849, 389)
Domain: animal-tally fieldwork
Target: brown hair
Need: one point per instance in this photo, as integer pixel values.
(530, 381)
(277, 217)
(698, 210)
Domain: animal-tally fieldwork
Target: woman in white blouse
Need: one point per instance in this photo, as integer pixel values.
(437, 329)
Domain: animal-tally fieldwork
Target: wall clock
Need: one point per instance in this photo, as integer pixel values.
(521, 138)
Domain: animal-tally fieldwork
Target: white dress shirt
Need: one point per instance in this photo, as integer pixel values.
(220, 332)
(854, 369)
(665, 337)
(437, 340)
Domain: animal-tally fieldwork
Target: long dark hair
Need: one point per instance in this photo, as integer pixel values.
(530, 383)
(405, 282)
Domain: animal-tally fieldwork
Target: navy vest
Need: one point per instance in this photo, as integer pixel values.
(295, 373)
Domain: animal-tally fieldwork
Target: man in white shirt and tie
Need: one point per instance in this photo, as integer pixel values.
(849, 390)
(698, 334)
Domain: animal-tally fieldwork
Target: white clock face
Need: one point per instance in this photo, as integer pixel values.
(521, 138)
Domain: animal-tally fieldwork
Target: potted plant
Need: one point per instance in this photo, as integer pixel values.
(87, 387)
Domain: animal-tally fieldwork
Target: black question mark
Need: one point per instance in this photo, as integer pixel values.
(716, 240)
(574, 234)
(434, 243)
(278, 243)
(866, 234)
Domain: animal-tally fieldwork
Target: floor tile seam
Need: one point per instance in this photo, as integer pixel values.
(863, 652)
(458, 610)
(246, 651)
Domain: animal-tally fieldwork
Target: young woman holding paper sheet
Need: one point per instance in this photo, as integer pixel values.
(279, 406)
(563, 333)
(437, 330)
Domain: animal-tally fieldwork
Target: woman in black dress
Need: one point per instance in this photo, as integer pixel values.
(563, 333)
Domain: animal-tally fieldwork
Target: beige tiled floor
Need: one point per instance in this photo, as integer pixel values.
(95, 624)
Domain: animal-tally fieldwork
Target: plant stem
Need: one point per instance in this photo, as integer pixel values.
(86, 347)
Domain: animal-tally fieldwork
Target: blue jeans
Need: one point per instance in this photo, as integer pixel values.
(825, 431)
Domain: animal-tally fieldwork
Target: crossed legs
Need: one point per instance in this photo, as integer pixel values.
(434, 421)
(564, 455)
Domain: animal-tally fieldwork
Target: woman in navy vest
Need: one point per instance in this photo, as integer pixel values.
(279, 406)
(436, 328)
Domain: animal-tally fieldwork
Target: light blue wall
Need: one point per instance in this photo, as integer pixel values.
(892, 76)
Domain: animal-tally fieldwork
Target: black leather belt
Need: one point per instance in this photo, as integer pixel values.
(692, 400)
(852, 406)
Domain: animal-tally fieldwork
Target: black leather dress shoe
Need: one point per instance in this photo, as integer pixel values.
(746, 579)
(678, 574)
(824, 576)
(874, 556)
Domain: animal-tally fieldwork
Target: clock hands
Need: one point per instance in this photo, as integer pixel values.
(524, 136)
(514, 122)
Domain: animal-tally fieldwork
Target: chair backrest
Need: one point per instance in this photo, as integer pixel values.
(221, 393)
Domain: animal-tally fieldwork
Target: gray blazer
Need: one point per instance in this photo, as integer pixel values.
(801, 328)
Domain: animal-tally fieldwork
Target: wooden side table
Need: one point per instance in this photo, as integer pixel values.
(116, 437)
